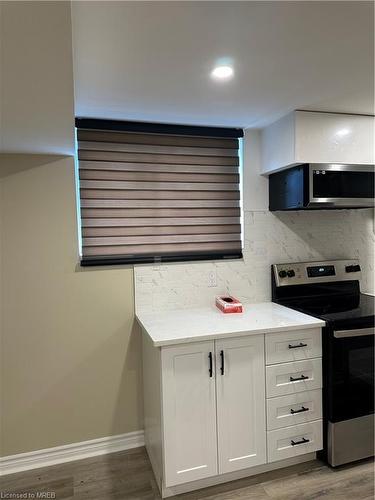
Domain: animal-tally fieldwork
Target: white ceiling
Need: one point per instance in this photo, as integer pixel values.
(151, 60)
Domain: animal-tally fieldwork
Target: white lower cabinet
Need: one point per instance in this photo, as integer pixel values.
(213, 421)
(241, 420)
(298, 376)
(293, 346)
(294, 393)
(294, 409)
(293, 441)
(214, 407)
(189, 412)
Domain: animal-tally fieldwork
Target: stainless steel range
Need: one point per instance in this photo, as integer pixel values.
(330, 290)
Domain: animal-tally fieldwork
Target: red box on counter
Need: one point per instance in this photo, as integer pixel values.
(228, 304)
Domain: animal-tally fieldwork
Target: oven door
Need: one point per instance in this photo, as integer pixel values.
(351, 374)
(341, 185)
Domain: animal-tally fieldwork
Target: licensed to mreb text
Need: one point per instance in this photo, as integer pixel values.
(28, 495)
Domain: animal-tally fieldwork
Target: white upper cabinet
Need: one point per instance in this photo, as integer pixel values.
(313, 137)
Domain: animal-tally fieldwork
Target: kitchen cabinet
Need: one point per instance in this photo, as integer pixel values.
(205, 434)
(241, 419)
(293, 346)
(189, 412)
(298, 376)
(225, 407)
(313, 137)
(286, 411)
(293, 441)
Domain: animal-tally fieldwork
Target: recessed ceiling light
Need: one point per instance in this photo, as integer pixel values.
(222, 72)
(342, 132)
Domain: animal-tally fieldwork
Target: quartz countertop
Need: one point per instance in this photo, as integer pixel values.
(207, 323)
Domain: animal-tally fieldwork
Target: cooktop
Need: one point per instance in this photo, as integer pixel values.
(356, 309)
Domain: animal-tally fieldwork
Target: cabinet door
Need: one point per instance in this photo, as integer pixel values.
(189, 412)
(240, 385)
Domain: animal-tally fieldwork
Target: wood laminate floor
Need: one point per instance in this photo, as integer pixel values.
(128, 476)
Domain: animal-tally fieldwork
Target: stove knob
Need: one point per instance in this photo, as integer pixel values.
(282, 274)
(290, 273)
(353, 268)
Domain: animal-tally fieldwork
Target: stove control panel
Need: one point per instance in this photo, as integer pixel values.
(316, 272)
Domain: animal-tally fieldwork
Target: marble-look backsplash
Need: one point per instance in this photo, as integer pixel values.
(268, 238)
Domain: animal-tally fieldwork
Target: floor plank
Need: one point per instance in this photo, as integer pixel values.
(128, 476)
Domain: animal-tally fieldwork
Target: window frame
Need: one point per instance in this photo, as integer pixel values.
(167, 129)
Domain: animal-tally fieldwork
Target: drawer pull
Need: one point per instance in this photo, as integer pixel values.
(302, 377)
(303, 441)
(297, 346)
(299, 411)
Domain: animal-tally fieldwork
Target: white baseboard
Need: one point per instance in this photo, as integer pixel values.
(70, 452)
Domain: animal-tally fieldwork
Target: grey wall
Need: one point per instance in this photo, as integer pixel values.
(70, 350)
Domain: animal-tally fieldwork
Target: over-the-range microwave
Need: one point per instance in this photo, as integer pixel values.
(321, 185)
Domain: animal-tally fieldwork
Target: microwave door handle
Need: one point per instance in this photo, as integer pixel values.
(361, 332)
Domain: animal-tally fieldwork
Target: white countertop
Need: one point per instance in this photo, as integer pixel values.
(206, 323)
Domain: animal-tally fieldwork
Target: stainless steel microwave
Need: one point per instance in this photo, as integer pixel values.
(321, 185)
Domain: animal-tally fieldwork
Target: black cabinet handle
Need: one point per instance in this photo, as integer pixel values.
(303, 441)
(210, 364)
(302, 377)
(297, 346)
(299, 411)
(222, 362)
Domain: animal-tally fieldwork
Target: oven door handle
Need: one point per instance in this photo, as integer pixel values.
(361, 332)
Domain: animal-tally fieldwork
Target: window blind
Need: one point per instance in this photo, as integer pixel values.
(153, 192)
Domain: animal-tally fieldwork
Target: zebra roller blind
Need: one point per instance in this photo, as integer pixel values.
(157, 192)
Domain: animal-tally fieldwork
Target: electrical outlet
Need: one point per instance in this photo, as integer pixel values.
(212, 278)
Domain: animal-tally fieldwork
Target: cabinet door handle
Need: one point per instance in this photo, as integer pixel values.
(210, 364)
(302, 377)
(299, 411)
(301, 344)
(222, 362)
(303, 441)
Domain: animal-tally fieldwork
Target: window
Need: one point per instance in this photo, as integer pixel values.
(151, 193)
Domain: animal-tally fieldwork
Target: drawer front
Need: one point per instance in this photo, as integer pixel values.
(289, 378)
(294, 409)
(293, 346)
(293, 441)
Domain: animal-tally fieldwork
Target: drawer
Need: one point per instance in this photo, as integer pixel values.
(293, 441)
(293, 346)
(294, 409)
(289, 378)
